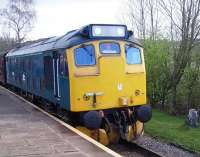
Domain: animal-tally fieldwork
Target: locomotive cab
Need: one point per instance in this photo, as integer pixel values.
(106, 74)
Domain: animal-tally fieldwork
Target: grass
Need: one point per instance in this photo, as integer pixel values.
(173, 130)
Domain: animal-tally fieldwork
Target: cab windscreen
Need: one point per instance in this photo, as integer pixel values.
(109, 48)
(133, 55)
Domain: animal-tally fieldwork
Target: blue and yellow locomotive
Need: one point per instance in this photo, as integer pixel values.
(97, 73)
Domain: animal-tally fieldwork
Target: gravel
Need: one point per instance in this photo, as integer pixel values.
(124, 151)
(162, 148)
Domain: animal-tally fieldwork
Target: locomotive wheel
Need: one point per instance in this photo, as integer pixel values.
(139, 129)
(113, 134)
(103, 137)
(130, 134)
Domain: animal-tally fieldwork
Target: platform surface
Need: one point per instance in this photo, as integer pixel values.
(27, 132)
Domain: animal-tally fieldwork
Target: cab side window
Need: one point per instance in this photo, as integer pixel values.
(85, 56)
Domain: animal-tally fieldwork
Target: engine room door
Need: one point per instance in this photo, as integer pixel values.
(56, 74)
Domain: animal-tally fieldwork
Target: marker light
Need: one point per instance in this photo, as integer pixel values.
(97, 31)
(120, 31)
(109, 31)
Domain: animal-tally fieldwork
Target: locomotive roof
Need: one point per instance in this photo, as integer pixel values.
(70, 39)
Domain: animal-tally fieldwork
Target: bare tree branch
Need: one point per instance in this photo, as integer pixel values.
(19, 16)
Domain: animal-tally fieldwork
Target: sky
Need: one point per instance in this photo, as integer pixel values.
(56, 17)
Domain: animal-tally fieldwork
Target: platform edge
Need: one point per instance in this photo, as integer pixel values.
(89, 139)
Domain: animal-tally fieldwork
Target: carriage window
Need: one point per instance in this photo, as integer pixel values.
(133, 55)
(109, 48)
(85, 56)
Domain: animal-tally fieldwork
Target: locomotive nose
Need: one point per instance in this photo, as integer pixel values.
(111, 67)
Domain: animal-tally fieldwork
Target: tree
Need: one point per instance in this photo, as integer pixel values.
(154, 13)
(6, 43)
(192, 77)
(19, 17)
(158, 70)
(136, 17)
(143, 18)
(185, 24)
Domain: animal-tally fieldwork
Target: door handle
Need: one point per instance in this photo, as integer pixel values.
(94, 96)
(91, 94)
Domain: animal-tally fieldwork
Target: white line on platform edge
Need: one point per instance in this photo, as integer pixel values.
(101, 146)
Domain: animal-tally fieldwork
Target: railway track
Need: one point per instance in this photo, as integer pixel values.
(124, 148)
(131, 149)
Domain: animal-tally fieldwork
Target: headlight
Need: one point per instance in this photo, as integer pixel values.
(109, 31)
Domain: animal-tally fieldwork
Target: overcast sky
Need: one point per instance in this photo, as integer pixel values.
(56, 17)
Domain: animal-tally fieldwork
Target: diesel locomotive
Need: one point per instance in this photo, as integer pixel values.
(96, 74)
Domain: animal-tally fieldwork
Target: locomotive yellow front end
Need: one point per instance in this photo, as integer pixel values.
(108, 83)
(104, 75)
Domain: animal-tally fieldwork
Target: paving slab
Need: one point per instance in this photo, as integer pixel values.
(25, 131)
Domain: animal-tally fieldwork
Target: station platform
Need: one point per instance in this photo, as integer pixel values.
(27, 131)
